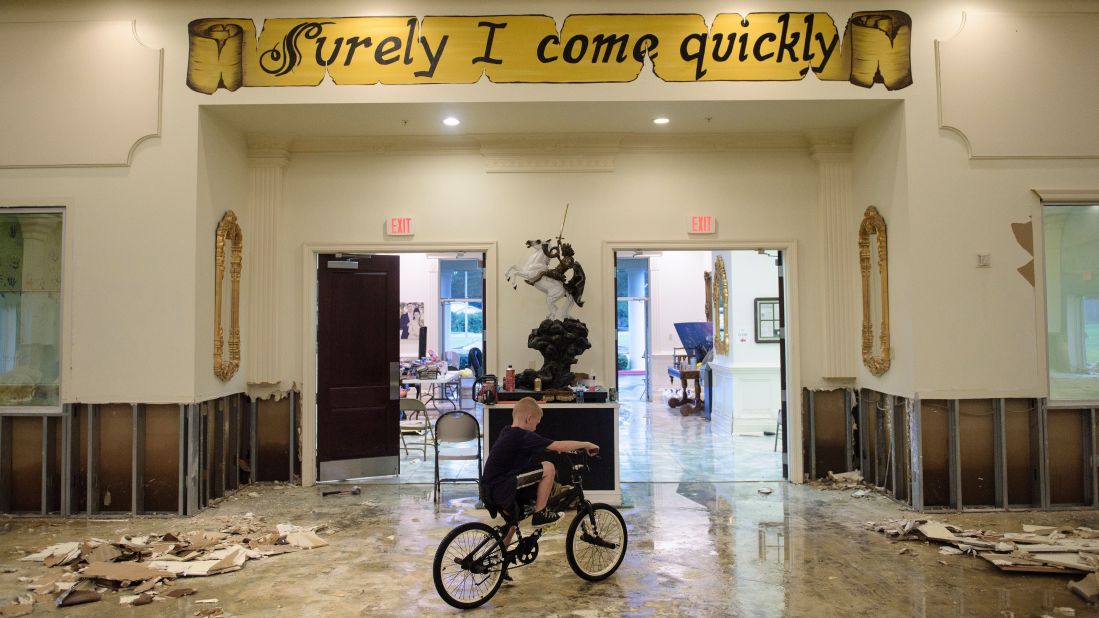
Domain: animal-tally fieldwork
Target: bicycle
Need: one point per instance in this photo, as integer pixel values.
(471, 560)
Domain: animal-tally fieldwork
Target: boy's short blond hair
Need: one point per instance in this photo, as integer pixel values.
(525, 406)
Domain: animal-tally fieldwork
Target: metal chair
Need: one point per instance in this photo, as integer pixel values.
(456, 427)
(415, 423)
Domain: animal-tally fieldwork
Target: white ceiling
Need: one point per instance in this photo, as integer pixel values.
(425, 119)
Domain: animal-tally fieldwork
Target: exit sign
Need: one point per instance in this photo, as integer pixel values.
(703, 224)
(399, 226)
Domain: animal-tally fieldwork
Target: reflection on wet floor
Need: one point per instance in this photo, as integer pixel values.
(695, 549)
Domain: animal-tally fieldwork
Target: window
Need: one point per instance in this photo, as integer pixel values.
(1071, 236)
(767, 320)
(30, 308)
(461, 294)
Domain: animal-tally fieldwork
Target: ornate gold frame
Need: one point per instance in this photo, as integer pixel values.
(874, 224)
(721, 298)
(228, 230)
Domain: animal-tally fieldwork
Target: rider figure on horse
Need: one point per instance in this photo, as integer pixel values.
(563, 253)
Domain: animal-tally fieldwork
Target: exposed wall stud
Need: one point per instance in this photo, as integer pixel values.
(849, 445)
(220, 422)
(955, 463)
(293, 433)
(999, 450)
(253, 476)
(1090, 487)
(67, 443)
(1043, 455)
(47, 458)
(137, 460)
(194, 458)
(181, 503)
(812, 436)
(93, 459)
(915, 441)
(5, 464)
(865, 432)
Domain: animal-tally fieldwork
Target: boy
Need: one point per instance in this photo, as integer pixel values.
(517, 452)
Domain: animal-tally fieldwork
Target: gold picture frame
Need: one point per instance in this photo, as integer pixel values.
(228, 232)
(873, 225)
(721, 307)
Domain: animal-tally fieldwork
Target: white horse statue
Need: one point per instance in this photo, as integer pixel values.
(537, 263)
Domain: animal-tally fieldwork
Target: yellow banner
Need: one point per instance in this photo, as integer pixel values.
(226, 53)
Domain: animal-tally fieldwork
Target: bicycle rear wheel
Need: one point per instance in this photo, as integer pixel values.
(468, 565)
(596, 542)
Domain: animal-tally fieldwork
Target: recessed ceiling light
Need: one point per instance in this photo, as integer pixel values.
(451, 121)
(661, 120)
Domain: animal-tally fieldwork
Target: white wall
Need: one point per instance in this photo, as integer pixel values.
(752, 275)
(678, 294)
(139, 235)
(344, 198)
(223, 184)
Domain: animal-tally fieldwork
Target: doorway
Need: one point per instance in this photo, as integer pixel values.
(738, 432)
(357, 346)
(436, 315)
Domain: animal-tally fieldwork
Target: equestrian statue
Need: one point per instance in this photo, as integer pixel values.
(559, 338)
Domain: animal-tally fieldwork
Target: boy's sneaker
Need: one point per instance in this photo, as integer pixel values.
(545, 517)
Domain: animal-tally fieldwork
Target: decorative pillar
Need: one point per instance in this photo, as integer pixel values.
(267, 161)
(838, 224)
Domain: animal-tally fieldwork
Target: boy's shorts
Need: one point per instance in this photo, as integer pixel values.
(525, 489)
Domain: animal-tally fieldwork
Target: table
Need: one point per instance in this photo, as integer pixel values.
(450, 378)
(686, 406)
(592, 422)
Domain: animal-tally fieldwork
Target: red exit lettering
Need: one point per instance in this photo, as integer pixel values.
(400, 226)
(702, 224)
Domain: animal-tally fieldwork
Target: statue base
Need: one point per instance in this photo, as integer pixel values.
(560, 342)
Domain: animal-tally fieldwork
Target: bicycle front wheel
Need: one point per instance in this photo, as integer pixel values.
(468, 565)
(596, 542)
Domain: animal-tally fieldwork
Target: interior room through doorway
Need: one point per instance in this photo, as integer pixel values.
(662, 296)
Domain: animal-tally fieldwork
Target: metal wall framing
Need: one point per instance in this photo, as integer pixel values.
(71, 460)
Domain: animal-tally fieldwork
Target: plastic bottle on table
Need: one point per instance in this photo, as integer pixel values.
(509, 379)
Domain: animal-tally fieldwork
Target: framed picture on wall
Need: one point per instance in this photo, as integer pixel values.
(767, 320)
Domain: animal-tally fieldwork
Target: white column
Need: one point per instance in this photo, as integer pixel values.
(267, 161)
(838, 225)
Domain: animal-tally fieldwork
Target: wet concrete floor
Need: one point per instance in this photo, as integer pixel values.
(696, 549)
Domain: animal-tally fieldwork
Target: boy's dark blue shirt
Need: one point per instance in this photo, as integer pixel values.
(512, 452)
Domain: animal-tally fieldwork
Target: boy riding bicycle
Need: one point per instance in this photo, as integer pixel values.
(515, 473)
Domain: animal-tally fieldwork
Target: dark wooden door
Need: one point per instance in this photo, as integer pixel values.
(358, 418)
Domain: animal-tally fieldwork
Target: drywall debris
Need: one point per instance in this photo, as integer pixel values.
(950, 551)
(862, 493)
(1064, 611)
(1087, 588)
(142, 565)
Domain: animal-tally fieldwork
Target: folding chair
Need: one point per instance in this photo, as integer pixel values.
(415, 423)
(453, 428)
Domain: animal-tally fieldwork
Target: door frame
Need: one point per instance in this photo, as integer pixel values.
(793, 356)
(310, 251)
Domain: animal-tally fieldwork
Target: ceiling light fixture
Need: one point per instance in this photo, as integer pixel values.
(451, 121)
(661, 120)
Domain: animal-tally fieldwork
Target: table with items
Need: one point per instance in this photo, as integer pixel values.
(438, 386)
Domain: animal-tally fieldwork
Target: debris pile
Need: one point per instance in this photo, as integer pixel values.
(142, 568)
(1037, 549)
(842, 482)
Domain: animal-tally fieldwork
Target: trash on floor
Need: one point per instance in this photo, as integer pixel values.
(1038, 549)
(144, 565)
